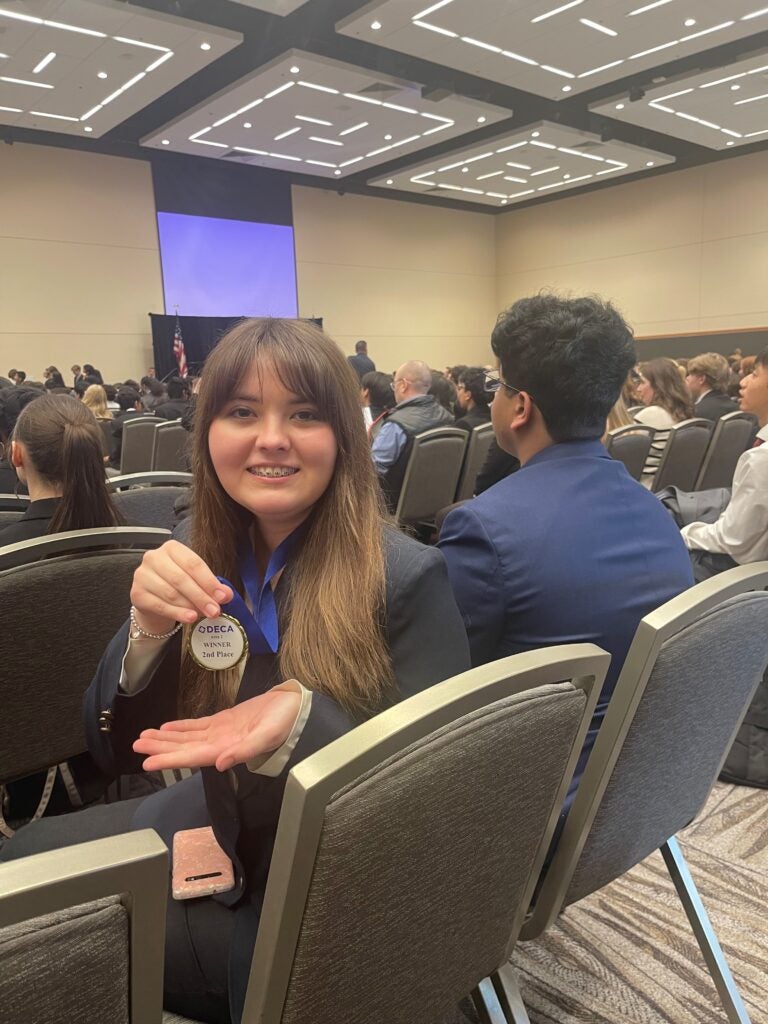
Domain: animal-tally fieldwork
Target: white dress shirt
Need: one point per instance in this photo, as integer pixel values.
(742, 530)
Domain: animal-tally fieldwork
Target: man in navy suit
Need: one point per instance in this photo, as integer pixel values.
(570, 548)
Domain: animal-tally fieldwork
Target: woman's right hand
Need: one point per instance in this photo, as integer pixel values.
(172, 585)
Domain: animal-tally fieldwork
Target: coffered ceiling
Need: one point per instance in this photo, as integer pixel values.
(431, 101)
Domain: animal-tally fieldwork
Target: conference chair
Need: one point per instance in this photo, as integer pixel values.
(477, 448)
(149, 479)
(733, 434)
(432, 474)
(683, 455)
(9, 517)
(82, 932)
(13, 502)
(62, 598)
(138, 444)
(107, 438)
(688, 678)
(631, 445)
(170, 447)
(149, 506)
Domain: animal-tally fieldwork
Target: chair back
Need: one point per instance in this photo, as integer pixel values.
(683, 455)
(170, 450)
(733, 434)
(138, 444)
(107, 438)
(477, 448)
(432, 474)
(58, 616)
(81, 932)
(378, 906)
(149, 479)
(9, 517)
(631, 446)
(13, 502)
(686, 683)
(149, 506)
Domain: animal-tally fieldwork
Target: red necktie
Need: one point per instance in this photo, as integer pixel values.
(758, 442)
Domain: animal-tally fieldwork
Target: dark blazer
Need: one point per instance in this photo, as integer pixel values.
(361, 364)
(476, 417)
(570, 549)
(33, 523)
(173, 409)
(714, 405)
(427, 644)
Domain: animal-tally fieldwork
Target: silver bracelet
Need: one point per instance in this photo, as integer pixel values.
(139, 631)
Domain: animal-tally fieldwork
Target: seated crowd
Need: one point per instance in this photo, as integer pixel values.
(345, 614)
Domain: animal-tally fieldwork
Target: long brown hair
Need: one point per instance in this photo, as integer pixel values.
(668, 388)
(63, 442)
(333, 618)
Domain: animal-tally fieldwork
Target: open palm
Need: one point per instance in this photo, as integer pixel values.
(233, 736)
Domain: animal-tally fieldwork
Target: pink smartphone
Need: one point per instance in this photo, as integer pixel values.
(200, 866)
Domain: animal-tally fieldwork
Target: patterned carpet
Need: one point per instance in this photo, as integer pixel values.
(627, 954)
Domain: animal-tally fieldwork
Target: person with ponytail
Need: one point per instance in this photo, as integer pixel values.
(56, 452)
(343, 614)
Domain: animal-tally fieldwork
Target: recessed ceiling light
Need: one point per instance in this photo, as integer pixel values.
(619, 106)
(481, 120)
(535, 135)
(337, 172)
(166, 142)
(247, 124)
(649, 164)
(390, 181)
(87, 128)
(730, 142)
(102, 74)
(503, 202)
(375, 25)
(464, 170)
(689, 22)
(205, 46)
(387, 138)
(567, 88)
(295, 70)
(566, 176)
(735, 88)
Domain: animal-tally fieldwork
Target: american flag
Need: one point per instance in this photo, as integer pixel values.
(178, 350)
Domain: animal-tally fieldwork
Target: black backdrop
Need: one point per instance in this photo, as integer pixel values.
(199, 333)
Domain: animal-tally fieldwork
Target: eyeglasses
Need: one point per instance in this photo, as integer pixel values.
(494, 383)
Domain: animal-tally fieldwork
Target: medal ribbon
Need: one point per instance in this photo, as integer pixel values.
(260, 625)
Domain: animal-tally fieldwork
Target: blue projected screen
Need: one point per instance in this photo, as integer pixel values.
(217, 267)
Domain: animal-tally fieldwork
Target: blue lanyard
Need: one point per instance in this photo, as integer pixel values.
(260, 625)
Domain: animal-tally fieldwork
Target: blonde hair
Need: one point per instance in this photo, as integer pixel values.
(95, 399)
(714, 368)
(617, 417)
(333, 638)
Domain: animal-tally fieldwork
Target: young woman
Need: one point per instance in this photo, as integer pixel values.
(344, 615)
(56, 452)
(662, 391)
(95, 399)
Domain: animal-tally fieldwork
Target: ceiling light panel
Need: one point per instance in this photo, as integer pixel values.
(541, 160)
(722, 108)
(281, 7)
(141, 53)
(546, 46)
(350, 119)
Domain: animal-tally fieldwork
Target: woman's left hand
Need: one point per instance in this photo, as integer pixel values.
(239, 734)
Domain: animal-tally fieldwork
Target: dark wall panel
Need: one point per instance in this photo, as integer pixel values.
(685, 346)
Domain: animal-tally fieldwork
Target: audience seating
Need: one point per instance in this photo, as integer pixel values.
(82, 933)
(432, 474)
(10, 517)
(107, 437)
(733, 434)
(148, 506)
(170, 447)
(683, 455)
(631, 446)
(138, 444)
(13, 502)
(477, 448)
(58, 616)
(149, 479)
(684, 688)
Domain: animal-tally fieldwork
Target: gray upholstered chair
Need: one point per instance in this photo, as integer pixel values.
(170, 448)
(432, 474)
(149, 479)
(733, 434)
(9, 517)
(58, 616)
(477, 448)
(82, 933)
(138, 444)
(107, 438)
(408, 849)
(683, 454)
(687, 681)
(149, 506)
(13, 502)
(631, 445)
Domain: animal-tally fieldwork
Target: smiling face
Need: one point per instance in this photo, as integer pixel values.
(272, 452)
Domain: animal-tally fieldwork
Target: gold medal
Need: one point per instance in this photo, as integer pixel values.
(218, 643)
